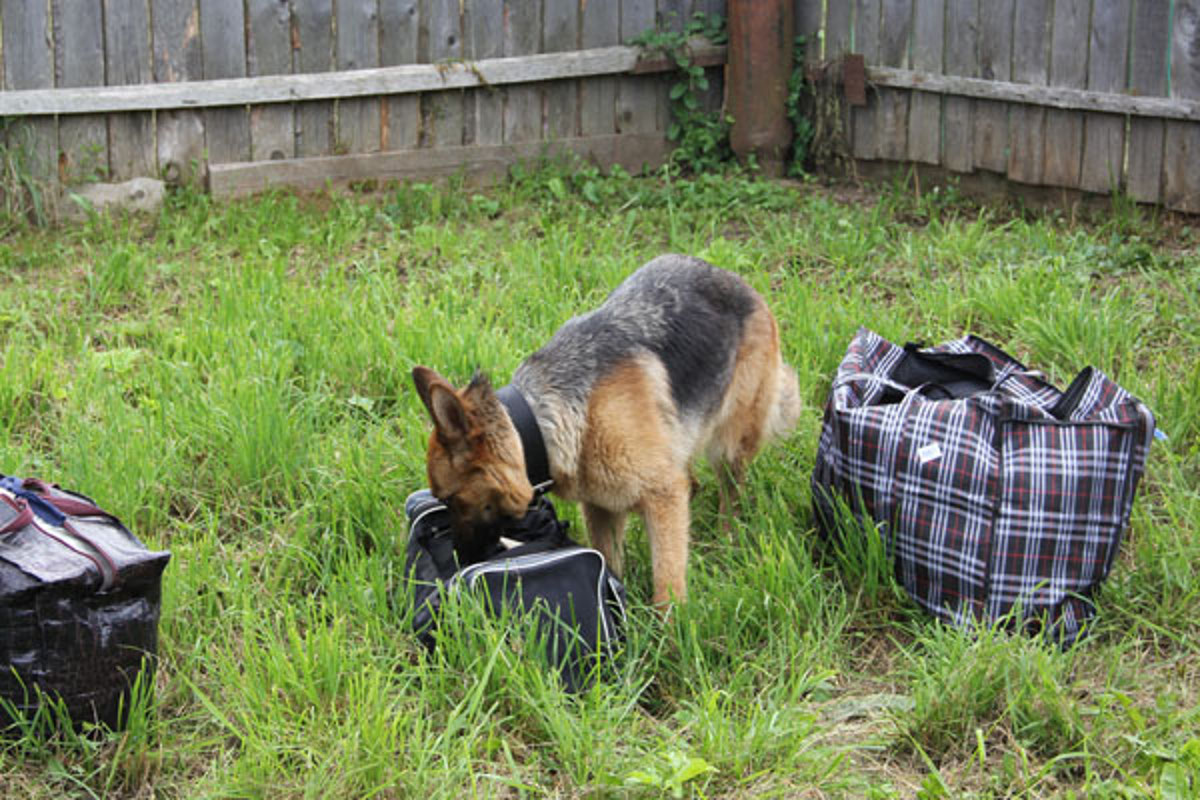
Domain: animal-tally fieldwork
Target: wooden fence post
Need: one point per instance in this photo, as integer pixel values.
(759, 64)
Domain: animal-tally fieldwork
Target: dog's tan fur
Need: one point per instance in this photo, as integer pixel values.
(628, 448)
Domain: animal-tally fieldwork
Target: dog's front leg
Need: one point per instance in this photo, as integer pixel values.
(667, 521)
(606, 532)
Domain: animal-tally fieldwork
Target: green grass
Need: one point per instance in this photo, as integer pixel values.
(232, 380)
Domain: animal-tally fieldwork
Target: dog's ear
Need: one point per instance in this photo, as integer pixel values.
(449, 416)
(479, 391)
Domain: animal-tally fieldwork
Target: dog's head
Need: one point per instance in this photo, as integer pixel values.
(475, 462)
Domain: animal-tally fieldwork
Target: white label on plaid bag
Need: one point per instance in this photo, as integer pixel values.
(930, 452)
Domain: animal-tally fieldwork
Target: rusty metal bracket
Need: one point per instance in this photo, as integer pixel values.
(854, 79)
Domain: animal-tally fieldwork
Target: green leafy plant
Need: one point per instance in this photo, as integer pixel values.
(669, 772)
(23, 198)
(799, 91)
(701, 136)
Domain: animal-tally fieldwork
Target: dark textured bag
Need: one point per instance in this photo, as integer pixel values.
(994, 490)
(79, 604)
(579, 605)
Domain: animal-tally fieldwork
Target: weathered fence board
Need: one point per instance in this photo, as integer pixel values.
(1043, 96)
(995, 63)
(312, 32)
(476, 163)
(1148, 76)
(560, 33)
(1181, 151)
(443, 111)
(637, 98)
(127, 61)
(864, 39)
(924, 123)
(599, 27)
(356, 24)
(223, 44)
(269, 52)
(1068, 67)
(522, 35)
(79, 61)
(485, 107)
(1104, 134)
(400, 115)
(891, 129)
(177, 57)
(29, 64)
(808, 24)
(1031, 64)
(962, 43)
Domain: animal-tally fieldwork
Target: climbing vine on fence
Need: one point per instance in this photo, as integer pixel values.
(701, 136)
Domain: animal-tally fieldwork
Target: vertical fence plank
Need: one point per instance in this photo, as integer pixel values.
(839, 36)
(1147, 76)
(1181, 150)
(312, 40)
(599, 27)
(961, 47)
(1069, 68)
(1031, 45)
(560, 32)
(837, 40)
(523, 36)
(269, 52)
(891, 127)
(484, 26)
(29, 64)
(177, 57)
(399, 22)
(1104, 134)
(223, 40)
(713, 98)
(808, 25)
(356, 26)
(925, 109)
(637, 98)
(443, 111)
(127, 61)
(79, 61)
(995, 63)
(865, 40)
(670, 15)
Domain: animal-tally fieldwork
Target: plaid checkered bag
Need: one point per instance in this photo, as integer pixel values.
(994, 491)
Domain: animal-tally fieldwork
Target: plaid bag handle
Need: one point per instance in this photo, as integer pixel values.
(873, 377)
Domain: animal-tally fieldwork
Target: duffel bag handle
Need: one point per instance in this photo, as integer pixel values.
(33, 498)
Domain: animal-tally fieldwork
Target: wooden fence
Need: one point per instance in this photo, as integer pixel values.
(1093, 95)
(255, 92)
(1096, 95)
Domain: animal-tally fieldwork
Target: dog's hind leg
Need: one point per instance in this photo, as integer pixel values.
(667, 519)
(606, 531)
(761, 402)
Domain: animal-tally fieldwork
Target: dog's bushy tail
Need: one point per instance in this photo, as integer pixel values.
(785, 412)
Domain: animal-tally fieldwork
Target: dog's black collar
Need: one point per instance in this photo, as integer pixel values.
(537, 462)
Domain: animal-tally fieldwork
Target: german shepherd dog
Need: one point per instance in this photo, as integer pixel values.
(682, 359)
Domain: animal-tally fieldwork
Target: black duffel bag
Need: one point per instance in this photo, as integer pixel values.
(79, 605)
(532, 567)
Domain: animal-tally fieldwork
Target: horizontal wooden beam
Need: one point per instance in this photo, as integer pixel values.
(478, 163)
(350, 83)
(1051, 96)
